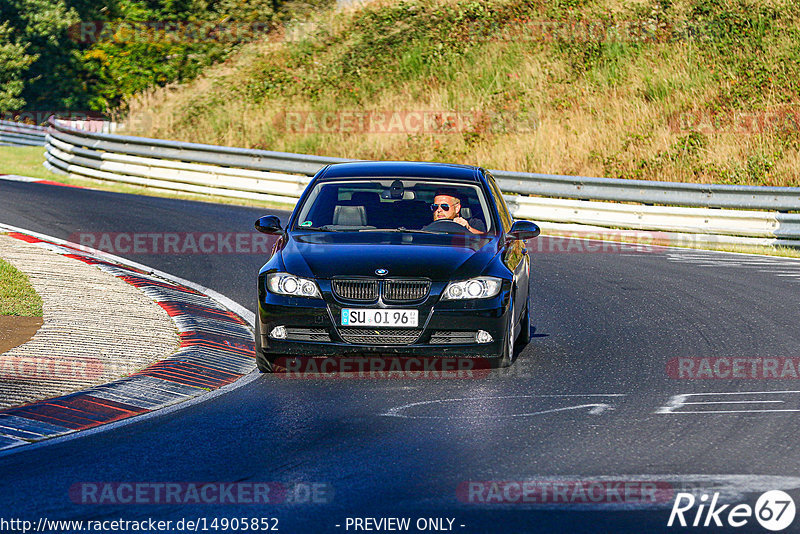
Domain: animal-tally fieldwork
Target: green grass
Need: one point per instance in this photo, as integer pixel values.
(17, 296)
(27, 161)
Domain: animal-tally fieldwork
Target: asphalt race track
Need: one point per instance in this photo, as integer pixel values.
(590, 399)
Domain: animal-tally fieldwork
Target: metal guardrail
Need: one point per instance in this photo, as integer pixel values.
(744, 223)
(580, 187)
(243, 158)
(19, 134)
(651, 192)
(281, 176)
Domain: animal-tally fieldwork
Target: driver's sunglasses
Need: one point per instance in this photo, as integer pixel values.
(445, 207)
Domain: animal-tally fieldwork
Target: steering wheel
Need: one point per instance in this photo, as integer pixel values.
(446, 226)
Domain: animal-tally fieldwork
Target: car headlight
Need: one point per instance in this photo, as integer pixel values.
(287, 284)
(483, 287)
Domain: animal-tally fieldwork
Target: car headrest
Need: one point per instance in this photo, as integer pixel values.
(466, 212)
(365, 198)
(350, 216)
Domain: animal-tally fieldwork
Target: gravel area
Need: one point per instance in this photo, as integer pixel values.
(96, 328)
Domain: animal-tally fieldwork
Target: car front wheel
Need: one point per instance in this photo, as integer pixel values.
(525, 324)
(263, 363)
(506, 357)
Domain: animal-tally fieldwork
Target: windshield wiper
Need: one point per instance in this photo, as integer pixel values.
(317, 228)
(401, 229)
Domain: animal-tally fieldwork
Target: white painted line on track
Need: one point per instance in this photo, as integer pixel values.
(734, 411)
(688, 254)
(676, 402)
(595, 408)
(736, 402)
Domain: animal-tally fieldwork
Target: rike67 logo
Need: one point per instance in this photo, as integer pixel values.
(774, 510)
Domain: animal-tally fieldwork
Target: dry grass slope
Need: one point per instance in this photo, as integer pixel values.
(680, 90)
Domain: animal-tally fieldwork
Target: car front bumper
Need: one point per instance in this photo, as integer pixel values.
(446, 329)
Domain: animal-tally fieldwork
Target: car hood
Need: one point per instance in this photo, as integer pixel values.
(438, 257)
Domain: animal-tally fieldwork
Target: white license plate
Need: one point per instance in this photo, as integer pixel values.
(375, 317)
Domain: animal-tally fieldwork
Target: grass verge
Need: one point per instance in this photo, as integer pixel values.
(17, 296)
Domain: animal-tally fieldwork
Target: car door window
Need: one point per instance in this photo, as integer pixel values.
(505, 215)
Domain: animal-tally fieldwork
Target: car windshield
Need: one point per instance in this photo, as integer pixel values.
(396, 205)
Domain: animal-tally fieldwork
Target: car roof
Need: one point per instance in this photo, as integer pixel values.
(401, 169)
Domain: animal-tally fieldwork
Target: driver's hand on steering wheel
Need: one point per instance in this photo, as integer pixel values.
(462, 221)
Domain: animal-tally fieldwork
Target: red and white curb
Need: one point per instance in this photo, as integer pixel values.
(216, 349)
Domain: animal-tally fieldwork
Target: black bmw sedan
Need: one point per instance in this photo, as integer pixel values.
(395, 258)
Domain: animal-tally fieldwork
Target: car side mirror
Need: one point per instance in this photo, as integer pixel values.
(523, 230)
(269, 224)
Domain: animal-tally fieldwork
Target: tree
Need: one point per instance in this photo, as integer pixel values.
(40, 27)
(14, 61)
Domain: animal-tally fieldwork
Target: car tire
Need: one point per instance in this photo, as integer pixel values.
(507, 353)
(525, 324)
(263, 363)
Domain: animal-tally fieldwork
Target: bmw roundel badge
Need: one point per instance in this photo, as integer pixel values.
(381, 272)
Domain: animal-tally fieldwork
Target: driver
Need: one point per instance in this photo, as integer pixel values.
(446, 205)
